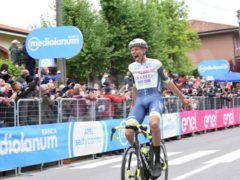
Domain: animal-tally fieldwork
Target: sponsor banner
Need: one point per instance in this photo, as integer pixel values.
(237, 115)
(29, 145)
(212, 68)
(226, 117)
(188, 122)
(170, 125)
(122, 142)
(88, 138)
(206, 119)
(54, 42)
(47, 63)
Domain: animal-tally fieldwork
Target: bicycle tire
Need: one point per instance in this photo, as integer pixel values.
(164, 162)
(130, 165)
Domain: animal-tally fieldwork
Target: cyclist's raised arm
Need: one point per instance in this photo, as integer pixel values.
(176, 91)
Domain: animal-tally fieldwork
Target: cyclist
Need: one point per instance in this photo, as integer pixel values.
(148, 77)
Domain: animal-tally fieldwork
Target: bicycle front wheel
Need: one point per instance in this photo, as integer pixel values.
(131, 165)
(164, 163)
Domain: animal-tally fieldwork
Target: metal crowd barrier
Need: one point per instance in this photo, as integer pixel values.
(72, 109)
(35, 111)
(8, 115)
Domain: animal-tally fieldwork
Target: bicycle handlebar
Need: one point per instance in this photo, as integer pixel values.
(143, 130)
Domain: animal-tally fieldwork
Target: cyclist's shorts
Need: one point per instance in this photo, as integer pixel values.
(146, 104)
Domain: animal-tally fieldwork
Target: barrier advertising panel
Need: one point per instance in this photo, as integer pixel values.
(86, 138)
(122, 142)
(226, 118)
(29, 145)
(170, 125)
(188, 121)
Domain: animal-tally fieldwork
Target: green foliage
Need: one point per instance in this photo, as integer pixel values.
(179, 37)
(13, 70)
(162, 23)
(94, 57)
(125, 23)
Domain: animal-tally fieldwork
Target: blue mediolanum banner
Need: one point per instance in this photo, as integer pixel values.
(212, 68)
(29, 145)
(122, 142)
(54, 42)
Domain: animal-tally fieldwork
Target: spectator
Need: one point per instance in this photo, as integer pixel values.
(15, 52)
(29, 62)
(4, 74)
(128, 81)
(79, 107)
(181, 82)
(48, 104)
(22, 78)
(46, 77)
(113, 99)
(105, 81)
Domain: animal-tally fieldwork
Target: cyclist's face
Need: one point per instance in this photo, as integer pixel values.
(138, 54)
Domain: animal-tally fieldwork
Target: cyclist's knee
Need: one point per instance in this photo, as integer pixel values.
(129, 133)
(132, 122)
(154, 119)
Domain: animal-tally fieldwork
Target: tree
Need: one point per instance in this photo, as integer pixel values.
(94, 57)
(163, 24)
(124, 24)
(179, 37)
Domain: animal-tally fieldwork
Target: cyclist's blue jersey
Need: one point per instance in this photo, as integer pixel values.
(148, 79)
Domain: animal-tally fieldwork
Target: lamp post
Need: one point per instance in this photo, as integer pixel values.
(238, 16)
(61, 63)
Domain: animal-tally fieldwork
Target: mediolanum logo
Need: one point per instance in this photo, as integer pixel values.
(58, 42)
(34, 43)
(213, 68)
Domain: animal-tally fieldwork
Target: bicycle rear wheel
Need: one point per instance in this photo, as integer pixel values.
(130, 168)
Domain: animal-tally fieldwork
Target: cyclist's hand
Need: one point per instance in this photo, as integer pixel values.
(186, 104)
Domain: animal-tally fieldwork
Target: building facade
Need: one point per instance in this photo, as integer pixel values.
(218, 41)
(7, 34)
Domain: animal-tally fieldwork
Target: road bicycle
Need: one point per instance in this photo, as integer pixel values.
(138, 160)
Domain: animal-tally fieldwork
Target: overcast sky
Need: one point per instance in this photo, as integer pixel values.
(27, 13)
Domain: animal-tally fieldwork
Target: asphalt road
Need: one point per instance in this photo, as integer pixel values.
(210, 156)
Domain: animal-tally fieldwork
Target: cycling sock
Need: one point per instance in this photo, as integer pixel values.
(157, 151)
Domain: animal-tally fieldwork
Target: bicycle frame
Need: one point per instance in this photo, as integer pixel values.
(145, 164)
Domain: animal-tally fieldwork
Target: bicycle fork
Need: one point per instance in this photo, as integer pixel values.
(137, 171)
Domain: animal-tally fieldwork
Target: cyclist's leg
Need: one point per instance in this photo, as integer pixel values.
(135, 117)
(155, 110)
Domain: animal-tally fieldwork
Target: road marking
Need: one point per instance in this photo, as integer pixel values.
(99, 163)
(227, 158)
(193, 172)
(172, 153)
(108, 161)
(135, 162)
(191, 157)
